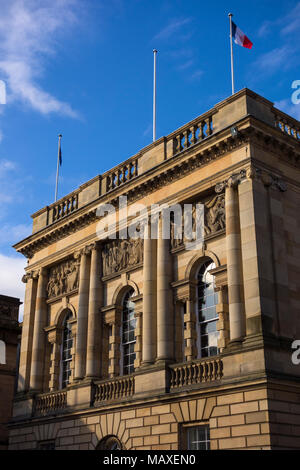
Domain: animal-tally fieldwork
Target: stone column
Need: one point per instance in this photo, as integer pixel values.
(223, 322)
(149, 298)
(261, 231)
(179, 331)
(165, 318)
(82, 316)
(38, 343)
(114, 354)
(55, 339)
(234, 258)
(94, 336)
(27, 330)
(138, 314)
(190, 331)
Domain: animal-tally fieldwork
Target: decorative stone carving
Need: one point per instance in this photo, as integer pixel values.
(63, 278)
(30, 275)
(215, 215)
(268, 179)
(214, 219)
(121, 254)
(232, 181)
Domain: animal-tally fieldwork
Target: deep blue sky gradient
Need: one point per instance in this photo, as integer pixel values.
(103, 67)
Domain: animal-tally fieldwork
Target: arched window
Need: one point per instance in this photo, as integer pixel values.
(207, 300)
(2, 352)
(66, 352)
(109, 443)
(128, 338)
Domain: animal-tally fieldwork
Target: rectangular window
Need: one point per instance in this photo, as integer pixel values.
(197, 437)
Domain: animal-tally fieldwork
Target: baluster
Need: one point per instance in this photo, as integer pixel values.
(124, 174)
(193, 138)
(186, 139)
(173, 377)
(179, 145)
(208, 128)
(189, 375)
(113, 182)
(201, 134)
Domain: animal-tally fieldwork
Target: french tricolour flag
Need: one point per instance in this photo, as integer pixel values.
(240, 38)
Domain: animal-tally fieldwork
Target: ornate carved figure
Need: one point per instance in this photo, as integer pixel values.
(63, 278)
(214, 220)
(215, 215)
(121, 254)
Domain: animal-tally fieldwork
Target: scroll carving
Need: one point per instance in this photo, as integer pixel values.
(121, 254)
(63, 278)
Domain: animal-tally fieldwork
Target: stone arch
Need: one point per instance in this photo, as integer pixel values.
(60, 316)
(111, 424)
(2, 352)
(197, 260)
(122, 289)
(46, 432)
(110, 442)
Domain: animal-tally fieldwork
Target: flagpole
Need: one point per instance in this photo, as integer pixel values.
(154, 95)
(57, 169)
(231, 53)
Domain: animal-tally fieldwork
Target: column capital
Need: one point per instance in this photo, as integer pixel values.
(231, 182)
(30, 275)
(268, 179)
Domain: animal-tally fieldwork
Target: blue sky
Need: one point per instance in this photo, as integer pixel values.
(85, 68)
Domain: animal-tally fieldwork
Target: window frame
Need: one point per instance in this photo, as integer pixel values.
(186, 427)
(67, 319)
(199, 323)
(130, 293)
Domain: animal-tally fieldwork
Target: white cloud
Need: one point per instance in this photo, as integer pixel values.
(29, 32)
(5, 167)
(291, 22)
(10, 234)
(274, 59)
(289, 108)
(185, 65)
(173, 27)
(197, 74)
(11, 187)
(11, 272)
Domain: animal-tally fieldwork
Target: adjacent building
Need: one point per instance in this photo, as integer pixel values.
(10, 331)
(154, 342)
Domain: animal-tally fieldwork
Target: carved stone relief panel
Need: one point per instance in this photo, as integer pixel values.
(214, 219)
(121, 254)
(63, 278)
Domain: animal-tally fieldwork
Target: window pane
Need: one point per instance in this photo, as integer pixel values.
(207, 314)
(66, 355)
(198, 438)
(128, 334)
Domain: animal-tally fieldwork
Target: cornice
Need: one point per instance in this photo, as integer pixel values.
(176, 167)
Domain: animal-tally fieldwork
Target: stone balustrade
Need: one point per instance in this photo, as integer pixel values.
(65, 207)
(114, 389)
(287, 125)
(192, 134)
(121, 174)
(48, 403)
(196, 372)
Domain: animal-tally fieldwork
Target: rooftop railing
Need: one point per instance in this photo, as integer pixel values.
(287, 124)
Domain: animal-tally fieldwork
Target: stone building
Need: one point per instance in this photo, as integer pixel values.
(148, 343)
(9, 347)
